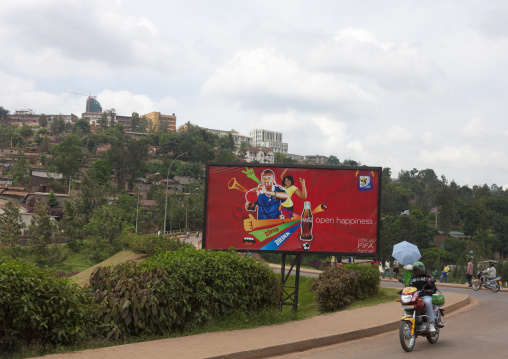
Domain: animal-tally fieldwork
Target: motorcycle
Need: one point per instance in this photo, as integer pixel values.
(415, 321)
(493, 284)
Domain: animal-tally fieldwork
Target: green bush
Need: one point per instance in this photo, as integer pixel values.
(369, 279)
(201, 285)
(128, 305)
(176, 291)
(151, 243)
(338, 287)
(335, 288)
(36, 306)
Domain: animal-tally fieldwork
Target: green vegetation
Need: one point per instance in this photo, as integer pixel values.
(191, 291)
(36, 306)
(340, 286)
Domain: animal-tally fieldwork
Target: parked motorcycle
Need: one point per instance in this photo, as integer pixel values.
(415, 321)
(493, 284)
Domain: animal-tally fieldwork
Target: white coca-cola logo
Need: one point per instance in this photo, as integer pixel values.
(309, 220)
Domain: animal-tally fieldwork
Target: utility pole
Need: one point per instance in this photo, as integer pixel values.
(167, 182)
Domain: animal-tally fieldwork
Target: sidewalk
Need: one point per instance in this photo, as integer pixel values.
(270, 340)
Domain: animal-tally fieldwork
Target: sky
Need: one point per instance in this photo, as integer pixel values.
(399, 84)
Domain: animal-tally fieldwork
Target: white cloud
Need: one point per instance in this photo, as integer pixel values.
(473, 128)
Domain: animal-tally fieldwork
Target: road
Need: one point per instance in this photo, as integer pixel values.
(478, 330)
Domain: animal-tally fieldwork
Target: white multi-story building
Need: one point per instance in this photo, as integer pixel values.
(238, 138)
(268, 139)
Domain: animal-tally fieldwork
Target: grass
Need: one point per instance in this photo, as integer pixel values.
(124, 256)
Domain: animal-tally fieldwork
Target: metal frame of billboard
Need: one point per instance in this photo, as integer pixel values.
(378, 170)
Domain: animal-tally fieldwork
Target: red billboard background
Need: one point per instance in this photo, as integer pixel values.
(344, 202)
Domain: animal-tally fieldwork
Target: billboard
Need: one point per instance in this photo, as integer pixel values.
(292, 208)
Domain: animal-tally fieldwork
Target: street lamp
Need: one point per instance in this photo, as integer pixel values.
(167, 181)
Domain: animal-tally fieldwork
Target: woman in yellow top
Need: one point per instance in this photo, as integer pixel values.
(289, 185)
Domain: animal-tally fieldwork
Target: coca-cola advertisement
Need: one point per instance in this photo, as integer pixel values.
(291, 208)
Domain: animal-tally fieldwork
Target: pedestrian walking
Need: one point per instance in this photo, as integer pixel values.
(469, 272)
(444, 274)
(387, 270)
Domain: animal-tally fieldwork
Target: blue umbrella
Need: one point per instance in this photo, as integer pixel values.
(406, 253)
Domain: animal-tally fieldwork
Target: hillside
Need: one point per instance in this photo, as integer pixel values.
(124, 256)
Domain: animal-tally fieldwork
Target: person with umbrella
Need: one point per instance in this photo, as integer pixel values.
(406, 254)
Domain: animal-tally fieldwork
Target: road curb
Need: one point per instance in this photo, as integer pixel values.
(327, 340)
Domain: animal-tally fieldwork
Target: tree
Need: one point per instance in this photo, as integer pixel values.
(137, 156)
(241, 155)
(43, 120)
(281, 158)
(44, 146)
(71, 225)
(134, 123)
(10, 137)
(10, 225)
(445, 199)
(109, 221)
(107, 118)
(26, 131)
(40, 232)
(101, 170)
(52, 200)
(192, 169)
(118, 156)
(3, 114)
(92, 194)
(19, 172)
(333, 161)
(103, 120)
(143, 125)
(57, 125)
(67, 156)
(81, 127)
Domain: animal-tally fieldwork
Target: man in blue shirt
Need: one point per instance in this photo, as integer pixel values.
(270, 196)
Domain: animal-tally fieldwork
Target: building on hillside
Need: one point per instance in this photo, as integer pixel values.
(165, 123)
(40, 179)
(31, 198)
(72, 118)
(16, 194)
(92, 117)
(125, 121)
(316, 159)
(237, 138)
(268, 139)
(260, 155)
(299, 158)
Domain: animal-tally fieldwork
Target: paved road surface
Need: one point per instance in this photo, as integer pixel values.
(478, 330)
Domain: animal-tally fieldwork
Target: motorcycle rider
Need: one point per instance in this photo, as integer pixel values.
(489, 273)
(420, 281)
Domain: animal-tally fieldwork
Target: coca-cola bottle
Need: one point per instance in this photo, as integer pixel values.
(306, 223)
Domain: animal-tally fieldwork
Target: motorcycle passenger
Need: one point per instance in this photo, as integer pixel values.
(489, 273)
(420, 281)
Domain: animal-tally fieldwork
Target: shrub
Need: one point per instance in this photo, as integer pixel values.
(175, 291)
(37, 306)
(338, 287)
(128, 305)
(334, 289)
(151, 244)
(369, 279)
(200, 285)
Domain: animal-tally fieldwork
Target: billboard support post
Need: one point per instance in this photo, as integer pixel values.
(290, 297)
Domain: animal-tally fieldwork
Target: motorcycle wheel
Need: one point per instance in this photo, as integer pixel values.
(495, 287)
(433, 337)
(476, 284)
(407, 340)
